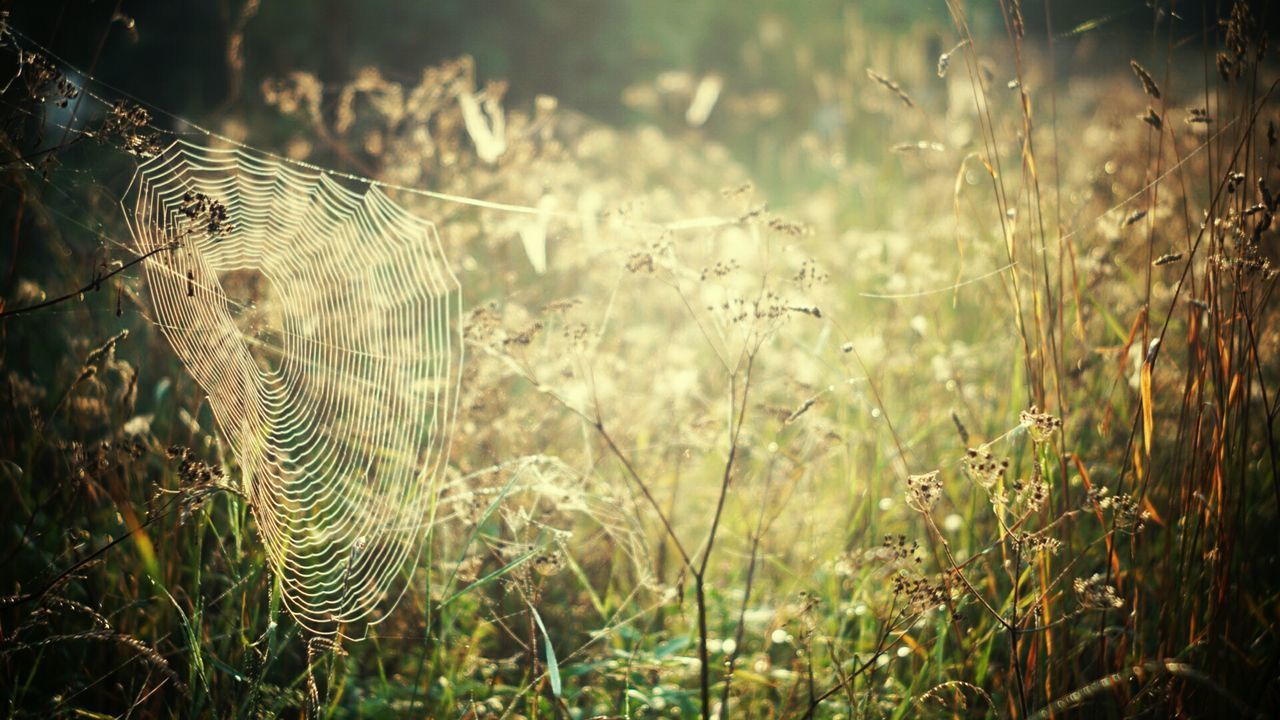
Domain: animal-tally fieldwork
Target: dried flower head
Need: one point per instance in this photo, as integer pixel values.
(198, 481)
(1031, 494)
(1148, 83)
(549, 562)
(982, 467)
(924, 491)
(1094, 593)
(944, 60)
(897, 552)
(1030, 543)
(1199, 116)
(130, 126)
(1153, 119)
(919, 592)
(205, 214)
(892, 87)
(1040, 426)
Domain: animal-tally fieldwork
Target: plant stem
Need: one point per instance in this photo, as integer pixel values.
(93, 286)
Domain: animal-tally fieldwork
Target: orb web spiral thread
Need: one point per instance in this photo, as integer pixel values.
(324, 326)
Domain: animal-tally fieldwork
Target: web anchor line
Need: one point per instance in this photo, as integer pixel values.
(18, 39)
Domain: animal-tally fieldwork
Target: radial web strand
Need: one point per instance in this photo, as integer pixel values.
(324, 326)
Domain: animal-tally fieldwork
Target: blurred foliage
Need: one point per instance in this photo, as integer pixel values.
(581, 51)
(927, 283)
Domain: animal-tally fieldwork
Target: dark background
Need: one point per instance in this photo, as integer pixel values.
(581, 51)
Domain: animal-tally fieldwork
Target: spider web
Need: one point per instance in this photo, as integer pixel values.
(323, 324)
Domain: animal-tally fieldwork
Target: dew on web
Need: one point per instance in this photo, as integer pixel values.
(324, 326)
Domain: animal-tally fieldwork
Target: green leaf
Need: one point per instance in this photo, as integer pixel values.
(490, 577)
(671, 647)
(553, 667)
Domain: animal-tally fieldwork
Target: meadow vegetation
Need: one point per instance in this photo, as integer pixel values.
(935, 376)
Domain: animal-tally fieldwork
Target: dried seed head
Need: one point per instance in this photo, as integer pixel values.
(892, 87)
(1153, 119)
(548, 563)
(960, 428)
(1035, 542)
(924, 491)
(982, 467)
(1199, 116)
(944, 60)
(1040, 426)
(1095, 594)
(1134, 217)
(1148, 83)
(919, 146)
